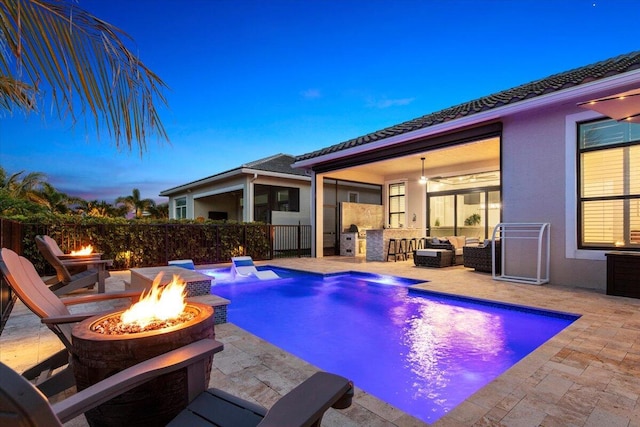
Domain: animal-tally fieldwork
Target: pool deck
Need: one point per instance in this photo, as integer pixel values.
(587, 375)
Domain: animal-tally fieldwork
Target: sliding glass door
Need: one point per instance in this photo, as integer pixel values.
(469, 212)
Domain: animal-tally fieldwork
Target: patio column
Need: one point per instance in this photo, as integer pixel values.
(317, 220)
(247, 209)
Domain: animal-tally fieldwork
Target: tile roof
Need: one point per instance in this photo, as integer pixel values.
(599, 70)
(279, 163)
(276, 163)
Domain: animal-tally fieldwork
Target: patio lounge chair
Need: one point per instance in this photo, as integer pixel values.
(242, 266)
(305, 405)
(53, 312)
(53, 245)
(480, 257)
(55, 249)
(95, 270)
(69, 259)
(183, 263)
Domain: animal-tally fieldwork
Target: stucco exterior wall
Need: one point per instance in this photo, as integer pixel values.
(416, 206)
(534, 188)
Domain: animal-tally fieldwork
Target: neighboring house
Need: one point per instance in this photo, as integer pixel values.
(267, 190)
(530, 154)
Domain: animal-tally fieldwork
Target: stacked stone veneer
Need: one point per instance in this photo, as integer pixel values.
(378, 240)
(364, 216)
(352, 245)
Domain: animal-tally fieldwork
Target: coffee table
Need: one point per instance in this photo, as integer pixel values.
(433, 258)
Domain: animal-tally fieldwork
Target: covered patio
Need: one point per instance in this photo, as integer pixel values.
(444, 187)
(584, 376)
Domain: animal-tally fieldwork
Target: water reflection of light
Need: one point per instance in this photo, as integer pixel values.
(386, 280)
(389, 280)
(220, 274)
(441, 337)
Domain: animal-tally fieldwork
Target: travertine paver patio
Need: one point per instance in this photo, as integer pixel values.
(585, 376)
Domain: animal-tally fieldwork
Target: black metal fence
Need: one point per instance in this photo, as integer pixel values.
(144, 245)
(290, 241)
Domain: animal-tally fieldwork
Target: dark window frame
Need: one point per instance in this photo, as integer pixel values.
(390, 197)
(581, 200)
(262, 212)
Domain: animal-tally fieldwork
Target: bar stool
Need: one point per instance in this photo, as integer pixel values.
(422, 243)
(413, 245)
(402, 249)
(394, 249)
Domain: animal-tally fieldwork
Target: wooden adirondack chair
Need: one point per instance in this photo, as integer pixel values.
(305, 405)
(65, 258)
(36, 295)
(89, 271)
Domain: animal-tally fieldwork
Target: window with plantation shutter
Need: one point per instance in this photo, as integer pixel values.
(609, 185)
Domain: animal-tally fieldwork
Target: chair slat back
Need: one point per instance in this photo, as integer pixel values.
(21, 404)
(61, 270)
(53, 245)
(31, 289)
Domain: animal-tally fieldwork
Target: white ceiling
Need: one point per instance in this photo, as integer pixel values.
(457, 160)
(622, 106)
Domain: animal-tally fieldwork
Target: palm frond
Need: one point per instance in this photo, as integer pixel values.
(16, 94)
(54, 47)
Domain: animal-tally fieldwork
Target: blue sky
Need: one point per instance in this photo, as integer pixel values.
(252, 78)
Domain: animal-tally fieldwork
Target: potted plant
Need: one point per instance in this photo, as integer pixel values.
(473, 219)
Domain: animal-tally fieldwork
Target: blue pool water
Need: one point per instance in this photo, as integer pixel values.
(422, 352)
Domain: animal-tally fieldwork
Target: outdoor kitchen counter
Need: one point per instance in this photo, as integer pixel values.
(378, 240)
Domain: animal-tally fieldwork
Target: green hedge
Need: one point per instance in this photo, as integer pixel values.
(144, 243)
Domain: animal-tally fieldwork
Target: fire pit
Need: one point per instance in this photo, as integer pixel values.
(85, 250)
(103, 346)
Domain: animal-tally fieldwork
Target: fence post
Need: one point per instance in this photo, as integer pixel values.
(217, 226)
(299, 240)
(166, 244)
(244, 239)
(272, 238)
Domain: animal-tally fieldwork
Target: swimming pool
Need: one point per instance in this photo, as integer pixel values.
(422, 352)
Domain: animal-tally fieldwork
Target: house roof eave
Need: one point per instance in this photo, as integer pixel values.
(275, 165)
(230, 174)
(273, 174)
(200, 182)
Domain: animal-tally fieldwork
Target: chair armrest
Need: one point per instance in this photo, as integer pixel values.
(307, 403)
(447, 246)
(84, 299)
(66, 257)
(76, 262)
(70, 318)
(192, 356)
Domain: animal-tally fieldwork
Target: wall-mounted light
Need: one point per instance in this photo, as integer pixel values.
(423, 179)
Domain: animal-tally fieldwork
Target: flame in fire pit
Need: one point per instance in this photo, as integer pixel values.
(159, 304)
(85, 250)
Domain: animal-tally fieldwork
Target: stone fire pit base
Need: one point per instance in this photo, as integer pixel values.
(97, 356)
